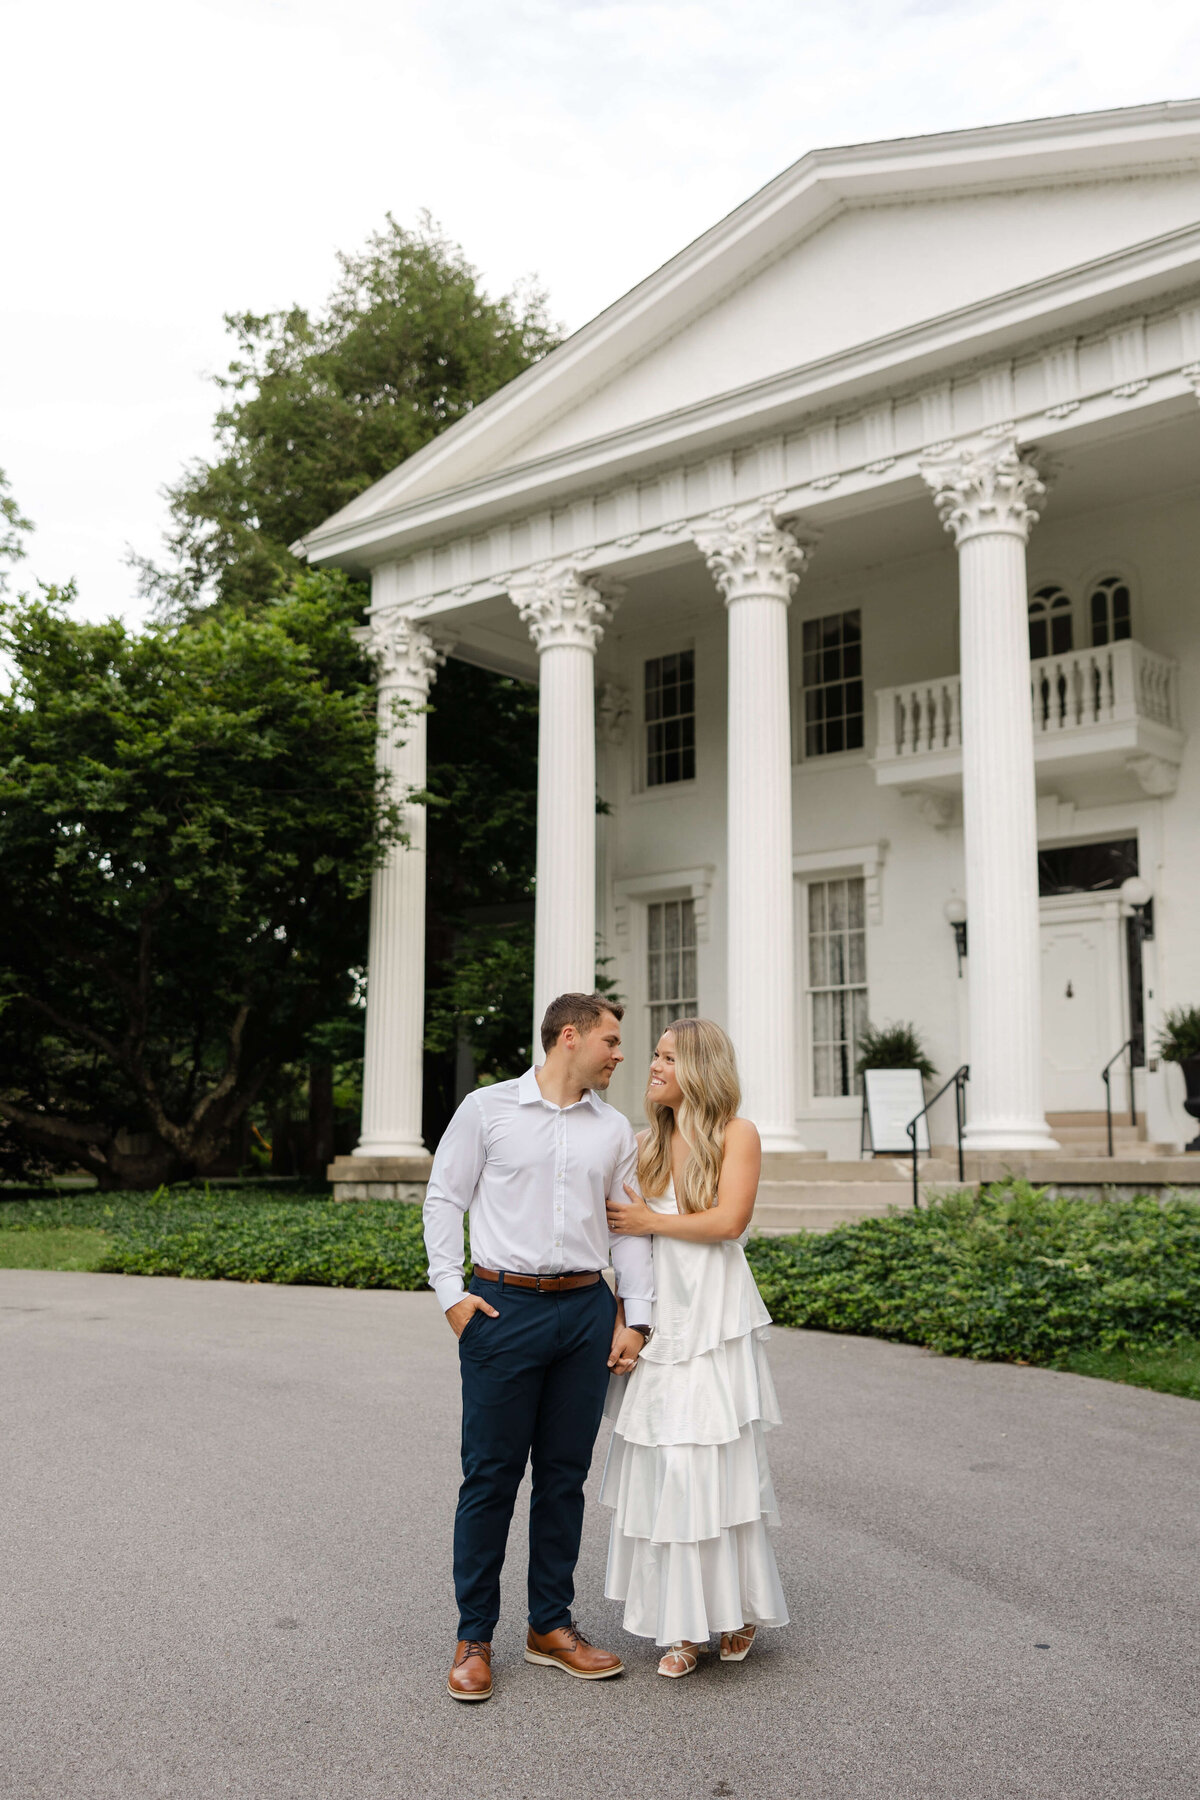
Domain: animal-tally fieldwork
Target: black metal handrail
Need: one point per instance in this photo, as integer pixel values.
(957, 1081)
(1106, 1078)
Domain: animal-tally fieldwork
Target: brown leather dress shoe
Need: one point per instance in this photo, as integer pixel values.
(568, 1649)
(471, 1673)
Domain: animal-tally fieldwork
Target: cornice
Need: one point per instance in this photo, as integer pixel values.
(882, 367)
(1122, 141)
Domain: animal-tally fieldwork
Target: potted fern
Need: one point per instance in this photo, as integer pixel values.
(1179, 1042)
(895, 1046)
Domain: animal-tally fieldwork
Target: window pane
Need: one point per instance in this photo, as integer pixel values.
(670, 718)
(837, 981)
(687, 983)
(687, 922)
(832, 684)
(654, 926)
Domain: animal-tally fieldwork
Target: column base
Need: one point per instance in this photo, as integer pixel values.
(371, 1149)
(1036, 1135)
(367, 1175)
(778, 1138)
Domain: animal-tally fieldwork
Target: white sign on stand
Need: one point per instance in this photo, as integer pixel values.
(892, 1098)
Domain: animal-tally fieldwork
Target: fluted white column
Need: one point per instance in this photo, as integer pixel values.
(406, 658)
(566, 613)
(986, 496)
(756, 564)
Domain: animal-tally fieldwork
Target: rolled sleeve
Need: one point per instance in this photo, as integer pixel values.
(457, 1165)
(632, 1257)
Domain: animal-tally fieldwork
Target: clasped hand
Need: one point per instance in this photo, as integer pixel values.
(634, 1220)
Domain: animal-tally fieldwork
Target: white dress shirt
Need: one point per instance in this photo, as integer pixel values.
(534, 1178)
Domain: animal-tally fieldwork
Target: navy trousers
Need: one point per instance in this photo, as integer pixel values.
(533, 1384)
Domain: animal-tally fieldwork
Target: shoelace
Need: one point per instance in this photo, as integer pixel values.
(475, 1647)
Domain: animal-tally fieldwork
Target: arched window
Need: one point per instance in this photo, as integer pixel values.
(1111, 610)
(1050, 625)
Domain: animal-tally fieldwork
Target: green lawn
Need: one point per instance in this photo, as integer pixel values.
(1174, 1370)
(1102, 1288)
(53, 1247)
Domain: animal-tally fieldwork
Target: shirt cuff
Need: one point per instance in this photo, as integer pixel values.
(638, 1324)
(449, 1290)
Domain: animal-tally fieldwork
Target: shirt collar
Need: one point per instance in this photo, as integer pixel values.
(530, 1094)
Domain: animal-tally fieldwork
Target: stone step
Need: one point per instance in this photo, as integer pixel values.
(791, 1165)
(1069, 1166)
(1092, 1133)
(818, 1206)
(887, 1169)
(864, 1199)
(1094, 1119)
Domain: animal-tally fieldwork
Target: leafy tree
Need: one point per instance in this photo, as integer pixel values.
(317, 407)
(314, 408)
(13, 526)
(189, 820)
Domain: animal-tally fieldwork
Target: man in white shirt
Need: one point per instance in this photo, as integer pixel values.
(534, 1161)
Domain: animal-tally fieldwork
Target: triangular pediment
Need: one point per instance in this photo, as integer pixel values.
(847, 248)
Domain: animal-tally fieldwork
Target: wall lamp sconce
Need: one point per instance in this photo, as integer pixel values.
(955, 913)
(1136, 894)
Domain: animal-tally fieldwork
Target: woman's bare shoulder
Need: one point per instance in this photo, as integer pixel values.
(741, 1134)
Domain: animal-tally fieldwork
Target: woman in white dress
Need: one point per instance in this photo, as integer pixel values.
(687, 1475)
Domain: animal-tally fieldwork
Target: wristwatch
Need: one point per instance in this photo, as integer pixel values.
(647, 1331)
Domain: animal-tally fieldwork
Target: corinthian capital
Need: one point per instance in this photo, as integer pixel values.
(405, 656)
(985, 488)
(561, 606)
(749, 554)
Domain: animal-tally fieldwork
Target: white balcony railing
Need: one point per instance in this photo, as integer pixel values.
(1070, 696)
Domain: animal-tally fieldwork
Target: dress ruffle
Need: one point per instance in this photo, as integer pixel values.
(687, 1475)
(706, 1400)
(677, 1591)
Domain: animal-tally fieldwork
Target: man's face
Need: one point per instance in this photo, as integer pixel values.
(599, 1052)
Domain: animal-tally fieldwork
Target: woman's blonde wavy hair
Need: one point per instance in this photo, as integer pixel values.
(706, 1069)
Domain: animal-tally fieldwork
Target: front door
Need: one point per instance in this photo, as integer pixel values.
(1083, 1003)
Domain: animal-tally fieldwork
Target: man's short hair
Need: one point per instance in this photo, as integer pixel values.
(581, 1010)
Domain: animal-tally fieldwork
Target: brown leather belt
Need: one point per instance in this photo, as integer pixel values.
(542, 1284)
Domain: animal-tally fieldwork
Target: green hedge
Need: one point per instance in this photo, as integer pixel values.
(1006, 1275)
(243, 1234)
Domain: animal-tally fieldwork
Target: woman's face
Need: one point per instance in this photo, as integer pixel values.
(664, 1089)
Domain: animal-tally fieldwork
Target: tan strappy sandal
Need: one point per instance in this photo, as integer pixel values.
(735, 1645)
(685, 1653)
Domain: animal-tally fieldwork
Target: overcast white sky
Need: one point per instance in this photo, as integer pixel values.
(164, 164)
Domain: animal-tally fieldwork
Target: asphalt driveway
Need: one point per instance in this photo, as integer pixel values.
(225, 1514)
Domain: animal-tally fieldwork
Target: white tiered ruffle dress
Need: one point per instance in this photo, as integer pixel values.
(687, 1474)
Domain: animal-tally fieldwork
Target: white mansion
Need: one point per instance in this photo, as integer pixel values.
(856, 553)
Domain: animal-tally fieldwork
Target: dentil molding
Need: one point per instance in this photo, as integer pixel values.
(561, 605)
(404, 653)
(750, 555)
(984, 489)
